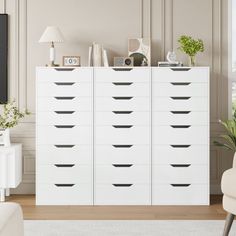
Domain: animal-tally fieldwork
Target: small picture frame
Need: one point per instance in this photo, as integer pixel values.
(71, 61)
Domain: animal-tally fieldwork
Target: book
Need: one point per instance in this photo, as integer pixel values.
(90, 56)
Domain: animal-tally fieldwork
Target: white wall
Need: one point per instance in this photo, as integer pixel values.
(111, 22)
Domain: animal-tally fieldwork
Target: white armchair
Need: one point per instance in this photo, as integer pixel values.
(228, 186)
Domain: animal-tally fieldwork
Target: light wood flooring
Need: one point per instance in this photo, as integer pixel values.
(33, 212)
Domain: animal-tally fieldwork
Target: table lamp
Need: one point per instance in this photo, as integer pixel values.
(52, 35)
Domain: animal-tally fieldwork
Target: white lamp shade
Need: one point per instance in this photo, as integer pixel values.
(51, 34)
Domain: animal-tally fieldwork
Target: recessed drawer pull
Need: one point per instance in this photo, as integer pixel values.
(64, 83)
(122, 112)
(64, 146)
(180, 126)
(180, 165)
(64, 112)
(64, 185)
(122, 146)
(64, 126)
(64, 69)
(180, 112)
(122, 69)
(122, 83)
(64, 98)
(64, 165)
(180, 98)
(180, 146)
(122, 98)
(122, 185)
(180, 185)
(122, 165)
(180, 69)
(122, 126)
(183, 84)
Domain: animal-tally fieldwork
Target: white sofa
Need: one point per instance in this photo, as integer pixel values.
(11, 219)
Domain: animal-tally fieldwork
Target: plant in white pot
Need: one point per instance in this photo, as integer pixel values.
(229, 138)
(9, 118)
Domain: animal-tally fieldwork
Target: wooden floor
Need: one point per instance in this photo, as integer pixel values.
(32, 212)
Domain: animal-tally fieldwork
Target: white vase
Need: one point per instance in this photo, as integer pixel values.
(6, 142)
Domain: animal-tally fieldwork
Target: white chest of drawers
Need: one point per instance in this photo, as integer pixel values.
(122, 136)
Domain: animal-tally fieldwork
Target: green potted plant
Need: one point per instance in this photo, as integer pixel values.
(191, 47)
(9, 118)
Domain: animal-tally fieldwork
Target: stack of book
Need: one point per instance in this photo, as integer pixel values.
(97, 56)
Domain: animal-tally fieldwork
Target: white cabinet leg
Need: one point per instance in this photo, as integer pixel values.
(7, 192)
(2, 194)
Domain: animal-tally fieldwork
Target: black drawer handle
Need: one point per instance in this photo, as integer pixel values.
(180, 165)
(64, 146)
(122, 126)
(122, 185)
(181, 84)
(180, 146)
(180, 126)
(180, 69)
(122, 98)
(180, 185)
(64, 165)
(64, 185)
(122, 165)
(180, 112)
(64, 83)
(64, 112)
(122, 146)
(180, 98)
(122, 83)
(64, 69)
(64, 126)
(122, 112)
(122, 69)
(64, 98)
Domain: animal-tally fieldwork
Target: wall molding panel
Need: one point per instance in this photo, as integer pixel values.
(162, 20)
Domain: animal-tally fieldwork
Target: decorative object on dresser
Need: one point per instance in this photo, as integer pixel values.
(123, 61)
(52, 34)
(102, 127)
(191, 47)
(9, 118)
(71, 61)
(10, 168)
(140, 50)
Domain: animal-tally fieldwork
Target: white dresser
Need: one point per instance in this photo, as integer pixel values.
(122, 136)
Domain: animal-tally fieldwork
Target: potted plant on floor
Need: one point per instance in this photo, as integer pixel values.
(9, 118)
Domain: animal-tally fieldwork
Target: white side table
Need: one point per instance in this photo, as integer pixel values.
(10, 168)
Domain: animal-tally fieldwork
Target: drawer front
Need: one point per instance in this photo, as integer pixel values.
(65, 88)
(122, 174)
(60, 154)
(73, 194)
(194, 194)
(122, 89)
(122, 154)
(79, 74)
(120, 117)
(60, 135)
(180, 103)
(180, 154)
(177, 117)
(136, 194)
(132, 135)
(121, 103)
(172, 135)
(180, 174)
(64, 103)
(64, 117)
(180, 89)
(66, 173)
(194, 74)
(122, 74)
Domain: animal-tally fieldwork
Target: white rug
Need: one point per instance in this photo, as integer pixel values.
(125, 228)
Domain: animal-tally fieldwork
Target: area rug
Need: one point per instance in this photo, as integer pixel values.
(125, 228)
